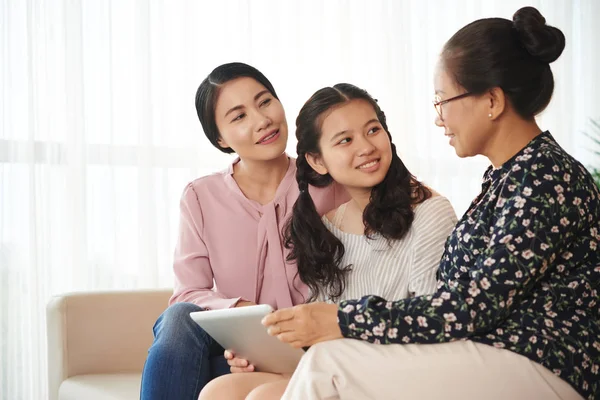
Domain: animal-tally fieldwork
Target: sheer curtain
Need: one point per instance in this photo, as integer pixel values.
(98, 131)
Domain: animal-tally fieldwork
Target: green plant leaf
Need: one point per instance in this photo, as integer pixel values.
(593, 139)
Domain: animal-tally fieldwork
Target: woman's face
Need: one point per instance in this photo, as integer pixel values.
(355, 149)
(465, 120)
(251, 121)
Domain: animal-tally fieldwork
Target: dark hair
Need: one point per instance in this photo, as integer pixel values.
(512, 55)
(208, 92)
(316, 250)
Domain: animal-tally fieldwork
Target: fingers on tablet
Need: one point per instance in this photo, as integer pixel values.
(236, 370)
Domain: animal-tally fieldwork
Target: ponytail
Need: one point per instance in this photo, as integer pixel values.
(316, 251)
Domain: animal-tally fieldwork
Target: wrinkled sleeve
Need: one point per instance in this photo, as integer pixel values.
(530, 232)
(193, 272)
(432, 225)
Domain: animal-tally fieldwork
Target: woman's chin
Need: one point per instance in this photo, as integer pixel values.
(461, 152)
(272, 152)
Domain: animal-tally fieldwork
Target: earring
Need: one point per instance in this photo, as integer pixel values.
(490, 115)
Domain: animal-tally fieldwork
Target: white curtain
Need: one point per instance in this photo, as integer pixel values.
(98, 131)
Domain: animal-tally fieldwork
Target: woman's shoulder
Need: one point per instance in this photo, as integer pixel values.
(546, 168)
(330, 216)
(436, 200)
(212, 185)
(334, 216)
(213, 179)
(436, 207)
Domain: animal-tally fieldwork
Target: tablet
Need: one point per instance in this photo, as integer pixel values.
(239, 329)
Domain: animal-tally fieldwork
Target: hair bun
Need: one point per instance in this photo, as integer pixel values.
(543, 42)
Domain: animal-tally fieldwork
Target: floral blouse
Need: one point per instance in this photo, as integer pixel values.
(521, 271)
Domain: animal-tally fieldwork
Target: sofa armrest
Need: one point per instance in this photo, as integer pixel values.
(100, 332)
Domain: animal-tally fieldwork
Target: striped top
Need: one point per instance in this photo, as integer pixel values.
(399, 268)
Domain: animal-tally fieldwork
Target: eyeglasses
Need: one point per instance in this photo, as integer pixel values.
(438, 102)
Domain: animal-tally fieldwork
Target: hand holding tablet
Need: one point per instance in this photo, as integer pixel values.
(240, 330)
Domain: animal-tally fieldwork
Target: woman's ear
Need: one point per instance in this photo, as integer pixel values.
(316, 162)
(222, 143)
(497, 103)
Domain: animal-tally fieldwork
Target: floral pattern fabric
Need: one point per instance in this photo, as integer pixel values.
(520, 271)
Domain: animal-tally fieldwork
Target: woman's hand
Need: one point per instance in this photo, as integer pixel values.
(304, 325)
(237, 364)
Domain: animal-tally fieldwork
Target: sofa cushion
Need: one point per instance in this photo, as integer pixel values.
(125, 386)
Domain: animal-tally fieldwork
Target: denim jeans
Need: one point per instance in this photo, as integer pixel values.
(182, 359)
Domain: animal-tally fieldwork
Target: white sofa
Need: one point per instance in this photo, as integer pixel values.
(98, 342)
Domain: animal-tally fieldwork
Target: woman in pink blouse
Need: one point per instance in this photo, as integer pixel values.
(229, 251)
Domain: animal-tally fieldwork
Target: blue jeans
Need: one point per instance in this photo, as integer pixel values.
(182, 359)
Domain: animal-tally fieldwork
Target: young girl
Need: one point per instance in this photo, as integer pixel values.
(516, 314)
(229, 252)
(386, 241)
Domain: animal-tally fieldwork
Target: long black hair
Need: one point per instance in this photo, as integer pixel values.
(316, 250)
(208, 92)
(512, 55)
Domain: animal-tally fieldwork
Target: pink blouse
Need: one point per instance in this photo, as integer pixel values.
(230, 248)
